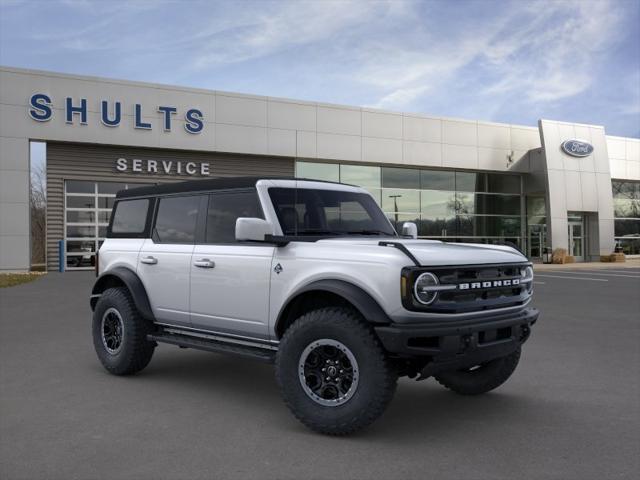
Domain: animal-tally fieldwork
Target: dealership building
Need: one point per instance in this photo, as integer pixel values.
(554, 185)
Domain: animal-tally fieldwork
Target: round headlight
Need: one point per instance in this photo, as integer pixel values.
(422, 288)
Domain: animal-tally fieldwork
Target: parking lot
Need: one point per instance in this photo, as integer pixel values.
(571, 410)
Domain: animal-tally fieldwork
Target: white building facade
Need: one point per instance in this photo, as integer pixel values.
(554, 185)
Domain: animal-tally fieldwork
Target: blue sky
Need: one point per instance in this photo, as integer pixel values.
(503, 61)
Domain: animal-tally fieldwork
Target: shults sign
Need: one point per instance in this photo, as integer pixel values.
(41, 109)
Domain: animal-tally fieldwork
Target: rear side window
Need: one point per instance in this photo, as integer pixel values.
(176, 220)
(224, 209)
(130, 217)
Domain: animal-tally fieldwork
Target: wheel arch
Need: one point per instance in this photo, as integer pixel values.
(324, 293)
(123, 277)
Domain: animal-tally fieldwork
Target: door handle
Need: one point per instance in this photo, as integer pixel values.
(204, 263)
(149, 260)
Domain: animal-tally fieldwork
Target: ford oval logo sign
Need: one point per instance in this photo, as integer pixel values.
(577, 148)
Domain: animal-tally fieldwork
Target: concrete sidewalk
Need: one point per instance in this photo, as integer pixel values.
(630, 263)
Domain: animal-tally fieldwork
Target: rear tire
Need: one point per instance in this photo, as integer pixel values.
(480, 379)
(357, 382)
(120, 333)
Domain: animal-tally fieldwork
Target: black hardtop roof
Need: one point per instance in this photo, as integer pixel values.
(224, 183)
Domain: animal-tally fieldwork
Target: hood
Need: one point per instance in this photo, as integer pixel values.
(435, 253)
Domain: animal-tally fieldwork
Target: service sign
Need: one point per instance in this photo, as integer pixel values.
(577, 148)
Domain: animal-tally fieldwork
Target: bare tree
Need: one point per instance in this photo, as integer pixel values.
(38, 209)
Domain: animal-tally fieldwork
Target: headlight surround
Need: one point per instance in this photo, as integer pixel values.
(526, 274)
(425, 281)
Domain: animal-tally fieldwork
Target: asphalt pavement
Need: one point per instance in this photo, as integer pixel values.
(571, 410)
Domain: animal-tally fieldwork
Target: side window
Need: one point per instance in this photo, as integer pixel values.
(224, 210)
(130, 216)
(176, 219)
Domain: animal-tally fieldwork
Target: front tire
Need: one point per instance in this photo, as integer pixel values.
(120, 333)
(481, 378)
(333, 374)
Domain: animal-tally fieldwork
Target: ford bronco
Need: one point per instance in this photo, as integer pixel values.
(313, 277)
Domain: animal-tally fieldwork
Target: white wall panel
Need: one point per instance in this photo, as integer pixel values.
(381, 125)
(422, 153)
(381, 150)
(494, 136)
(457, 156)
(459, 133)
(293, 116)
(422, 129)
(339, 120)
(339, 147)
(241, 111)
(240, 139)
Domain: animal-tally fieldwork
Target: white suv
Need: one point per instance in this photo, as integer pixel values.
(312, 276)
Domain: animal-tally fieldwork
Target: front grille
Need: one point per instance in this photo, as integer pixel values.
(475, 288)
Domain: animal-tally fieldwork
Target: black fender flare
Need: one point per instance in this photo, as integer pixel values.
(133, 284)
(359, 298)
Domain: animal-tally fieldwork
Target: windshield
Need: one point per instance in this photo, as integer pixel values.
(328, 212)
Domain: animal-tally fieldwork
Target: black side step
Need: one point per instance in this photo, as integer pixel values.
(256, 353)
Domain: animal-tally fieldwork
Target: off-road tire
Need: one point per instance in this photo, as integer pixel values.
(483, 379)
(377, 377)
(136, 351)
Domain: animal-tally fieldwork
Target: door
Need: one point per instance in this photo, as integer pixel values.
(576, 238)
(164, 263)
(230, 280)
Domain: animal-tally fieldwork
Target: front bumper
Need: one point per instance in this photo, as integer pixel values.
(450, 345)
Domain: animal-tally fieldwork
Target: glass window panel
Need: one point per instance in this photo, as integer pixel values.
(318, 171)
(487, 204)
(88, 216)
(465, 203)
(503, 183)
(224, 210)
(400, 177)
(437, 180)
(106, 202)
(400, 200)
(176, 219)
(471, 182)
(80, 261)
(627, 228)
(81, 232)
(488, 226)
(537, 220)
(79, 246)
(110, 187)
(436, 226)
(81, 202)
(536, 206)
(630, 245)
(437, 204)
(103, 217)
(76, 186)
(363, 176)
(130, 216)
(625, 189)
(626, 208)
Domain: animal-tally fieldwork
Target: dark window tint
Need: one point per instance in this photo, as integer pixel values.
(502, 183)
(176, 219)
(437, 180)
(224, 209)
(77, 186)
(110, 187)
(81, 202)
(130, 216)
(327, 212)
(400, 178)
(470, 182)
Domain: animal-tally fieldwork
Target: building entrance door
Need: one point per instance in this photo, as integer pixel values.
(576, 237)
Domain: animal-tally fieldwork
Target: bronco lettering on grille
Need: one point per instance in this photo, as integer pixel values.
(513, 282)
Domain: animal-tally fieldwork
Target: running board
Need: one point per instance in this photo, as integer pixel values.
(255, 353)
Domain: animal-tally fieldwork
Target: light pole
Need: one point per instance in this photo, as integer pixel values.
(395, 206)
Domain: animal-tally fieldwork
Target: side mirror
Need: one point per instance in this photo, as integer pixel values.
(409, 229)
(252, 229)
